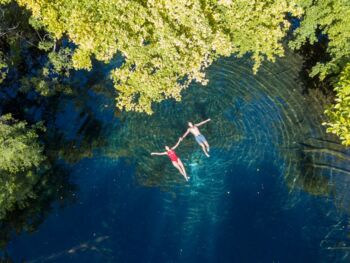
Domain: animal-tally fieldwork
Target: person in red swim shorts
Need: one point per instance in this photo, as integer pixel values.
(174, 158)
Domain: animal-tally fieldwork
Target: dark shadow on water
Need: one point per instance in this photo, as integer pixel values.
(53, 190)
(74, 131)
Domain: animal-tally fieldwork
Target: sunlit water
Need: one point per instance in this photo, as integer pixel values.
(275, 188)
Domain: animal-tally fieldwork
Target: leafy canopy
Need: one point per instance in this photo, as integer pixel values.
(331, 18)
(3, 67)
(166, 44)
(339, 113)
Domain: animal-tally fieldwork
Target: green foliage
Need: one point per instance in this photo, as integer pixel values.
(3, 2)
(61, 61)
(331, 18)
(3, 67)
(54, 186)
(166, 44)
(339, 113)
(20, 157)
(45, 45)
(49, 80)
(45, 85)
(20, 34)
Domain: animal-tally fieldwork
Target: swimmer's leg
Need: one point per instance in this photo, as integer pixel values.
(177, 166)
(183, 168)
(204, 149)
(206, 145)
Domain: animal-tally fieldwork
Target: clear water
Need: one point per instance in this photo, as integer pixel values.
(275, 188)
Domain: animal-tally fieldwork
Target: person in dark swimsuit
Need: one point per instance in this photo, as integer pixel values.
(174, 158)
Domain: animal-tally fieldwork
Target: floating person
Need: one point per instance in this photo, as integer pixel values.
(200, 139)
(176, 161)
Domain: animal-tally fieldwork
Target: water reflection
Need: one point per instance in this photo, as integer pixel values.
(253, 117)
(263, 126)
(73, 132)
(54, 187)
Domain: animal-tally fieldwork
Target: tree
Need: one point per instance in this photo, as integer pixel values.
(21, 155)
(165, 44)
(31, 54)
(325, 19)
(3, 68)
(339, 113)
(329, 21)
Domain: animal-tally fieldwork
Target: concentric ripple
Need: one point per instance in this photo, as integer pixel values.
(256, 119)
(252, 200)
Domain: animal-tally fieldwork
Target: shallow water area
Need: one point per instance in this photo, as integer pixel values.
(275, 188)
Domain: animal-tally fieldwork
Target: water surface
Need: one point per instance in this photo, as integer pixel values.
(275, 188)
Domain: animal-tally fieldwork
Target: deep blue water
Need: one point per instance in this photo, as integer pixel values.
(118, 221)
(258, 198)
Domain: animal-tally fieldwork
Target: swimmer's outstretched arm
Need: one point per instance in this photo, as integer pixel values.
(185, 134)
(203, 122)
(163, 153)
(177, 144)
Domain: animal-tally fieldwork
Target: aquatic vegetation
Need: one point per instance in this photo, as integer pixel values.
(142, 134)
(248, 112)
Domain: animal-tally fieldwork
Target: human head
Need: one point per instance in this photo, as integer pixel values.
(167, 148)
(190, 124)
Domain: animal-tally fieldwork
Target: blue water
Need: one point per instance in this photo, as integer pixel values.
(268, 193)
